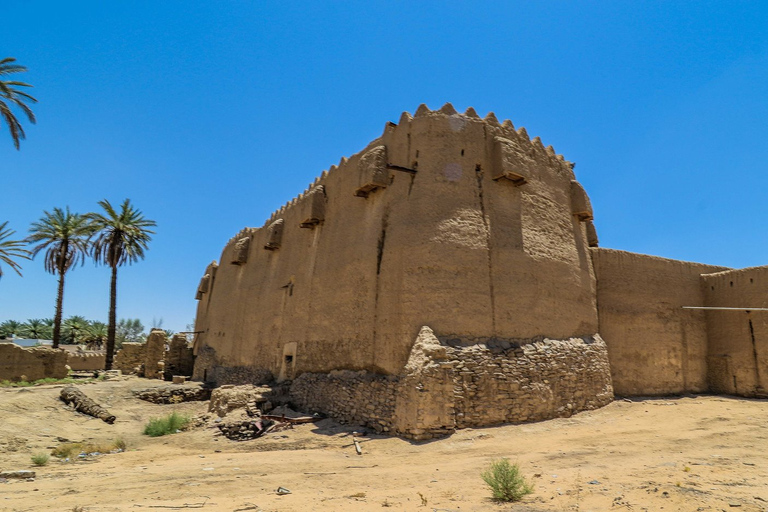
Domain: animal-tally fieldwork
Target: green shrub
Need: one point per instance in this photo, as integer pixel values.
(168, 425)
(505, 481)
(40, 459)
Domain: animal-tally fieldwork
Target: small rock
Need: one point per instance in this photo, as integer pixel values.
(594, 482)
(17, 474)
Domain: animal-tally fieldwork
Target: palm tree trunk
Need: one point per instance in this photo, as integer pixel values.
(57, 318)
(112, 319)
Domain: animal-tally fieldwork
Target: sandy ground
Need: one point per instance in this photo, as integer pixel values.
(689, 454)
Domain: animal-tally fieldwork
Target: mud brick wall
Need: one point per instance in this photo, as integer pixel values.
(28, 364)
(86, 361)
(130, 357)
(178, 358)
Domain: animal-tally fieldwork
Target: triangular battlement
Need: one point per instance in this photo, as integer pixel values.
(492, 126)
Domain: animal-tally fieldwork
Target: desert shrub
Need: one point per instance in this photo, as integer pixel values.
(40, 459)
(167, 425)
(71, 450)
(505, 481)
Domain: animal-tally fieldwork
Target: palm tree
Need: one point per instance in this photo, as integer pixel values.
(10, 95)
(121, 237)
(10, 249)
(96, 333)
(75, 328)
(35, 329)
(65, 236)
(10, 328)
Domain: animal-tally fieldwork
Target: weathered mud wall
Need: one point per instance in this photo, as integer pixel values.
(178, 358)
(738, 339)
(86, 361)
(28, 364)
(449, 220)
(655, 347)
(455, 383)
(130, 358)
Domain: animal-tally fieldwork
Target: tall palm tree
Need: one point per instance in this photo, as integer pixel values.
(10, 95)
(11, 249)
(65, 236)
(121, 237)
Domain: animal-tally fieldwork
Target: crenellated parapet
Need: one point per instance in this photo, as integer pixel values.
(509, 154)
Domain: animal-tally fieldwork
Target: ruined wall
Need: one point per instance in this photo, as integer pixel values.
(86, 361)
(179, 359)
(449, 220)
(130, 358)
(457, 383)
(154, 352)
(738, 339)
(28, 364)
(655, 347)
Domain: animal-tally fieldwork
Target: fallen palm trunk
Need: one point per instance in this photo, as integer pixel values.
(73, 396)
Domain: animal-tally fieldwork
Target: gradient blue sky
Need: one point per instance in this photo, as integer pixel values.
(210, 115)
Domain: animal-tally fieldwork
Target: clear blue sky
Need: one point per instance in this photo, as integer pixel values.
(209, 115)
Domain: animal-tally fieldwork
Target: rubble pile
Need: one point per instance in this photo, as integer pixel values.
(175, 393)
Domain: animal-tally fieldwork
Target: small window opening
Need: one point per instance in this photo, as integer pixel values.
(288, 359)
(751, 280)
(731, 283)
(713, 288)
(462, 152)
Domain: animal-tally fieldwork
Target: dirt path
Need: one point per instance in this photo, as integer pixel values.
(696, 453)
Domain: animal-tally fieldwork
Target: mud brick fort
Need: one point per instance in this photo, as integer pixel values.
(449, 275)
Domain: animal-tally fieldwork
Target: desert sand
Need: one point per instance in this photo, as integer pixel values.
(692, 453)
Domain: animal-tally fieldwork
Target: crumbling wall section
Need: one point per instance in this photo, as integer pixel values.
(179, 359)
(130, 358)
(738, 338)
(470, 384)
(655, 346)
(28, 364)
(86, 361)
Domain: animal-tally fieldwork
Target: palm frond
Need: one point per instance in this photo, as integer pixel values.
(10, 250)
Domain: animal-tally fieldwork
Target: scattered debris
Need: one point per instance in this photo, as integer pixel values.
(358, 448)
(246, 429)
(281, 491)
(73, 396)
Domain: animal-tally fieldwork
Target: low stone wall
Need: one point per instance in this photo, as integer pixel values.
(28, 364)
(207, 370)
(460, 383)
(357, 398)
(130, 358)
(86, 361)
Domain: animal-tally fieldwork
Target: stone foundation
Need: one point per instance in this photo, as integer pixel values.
(459, 383)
